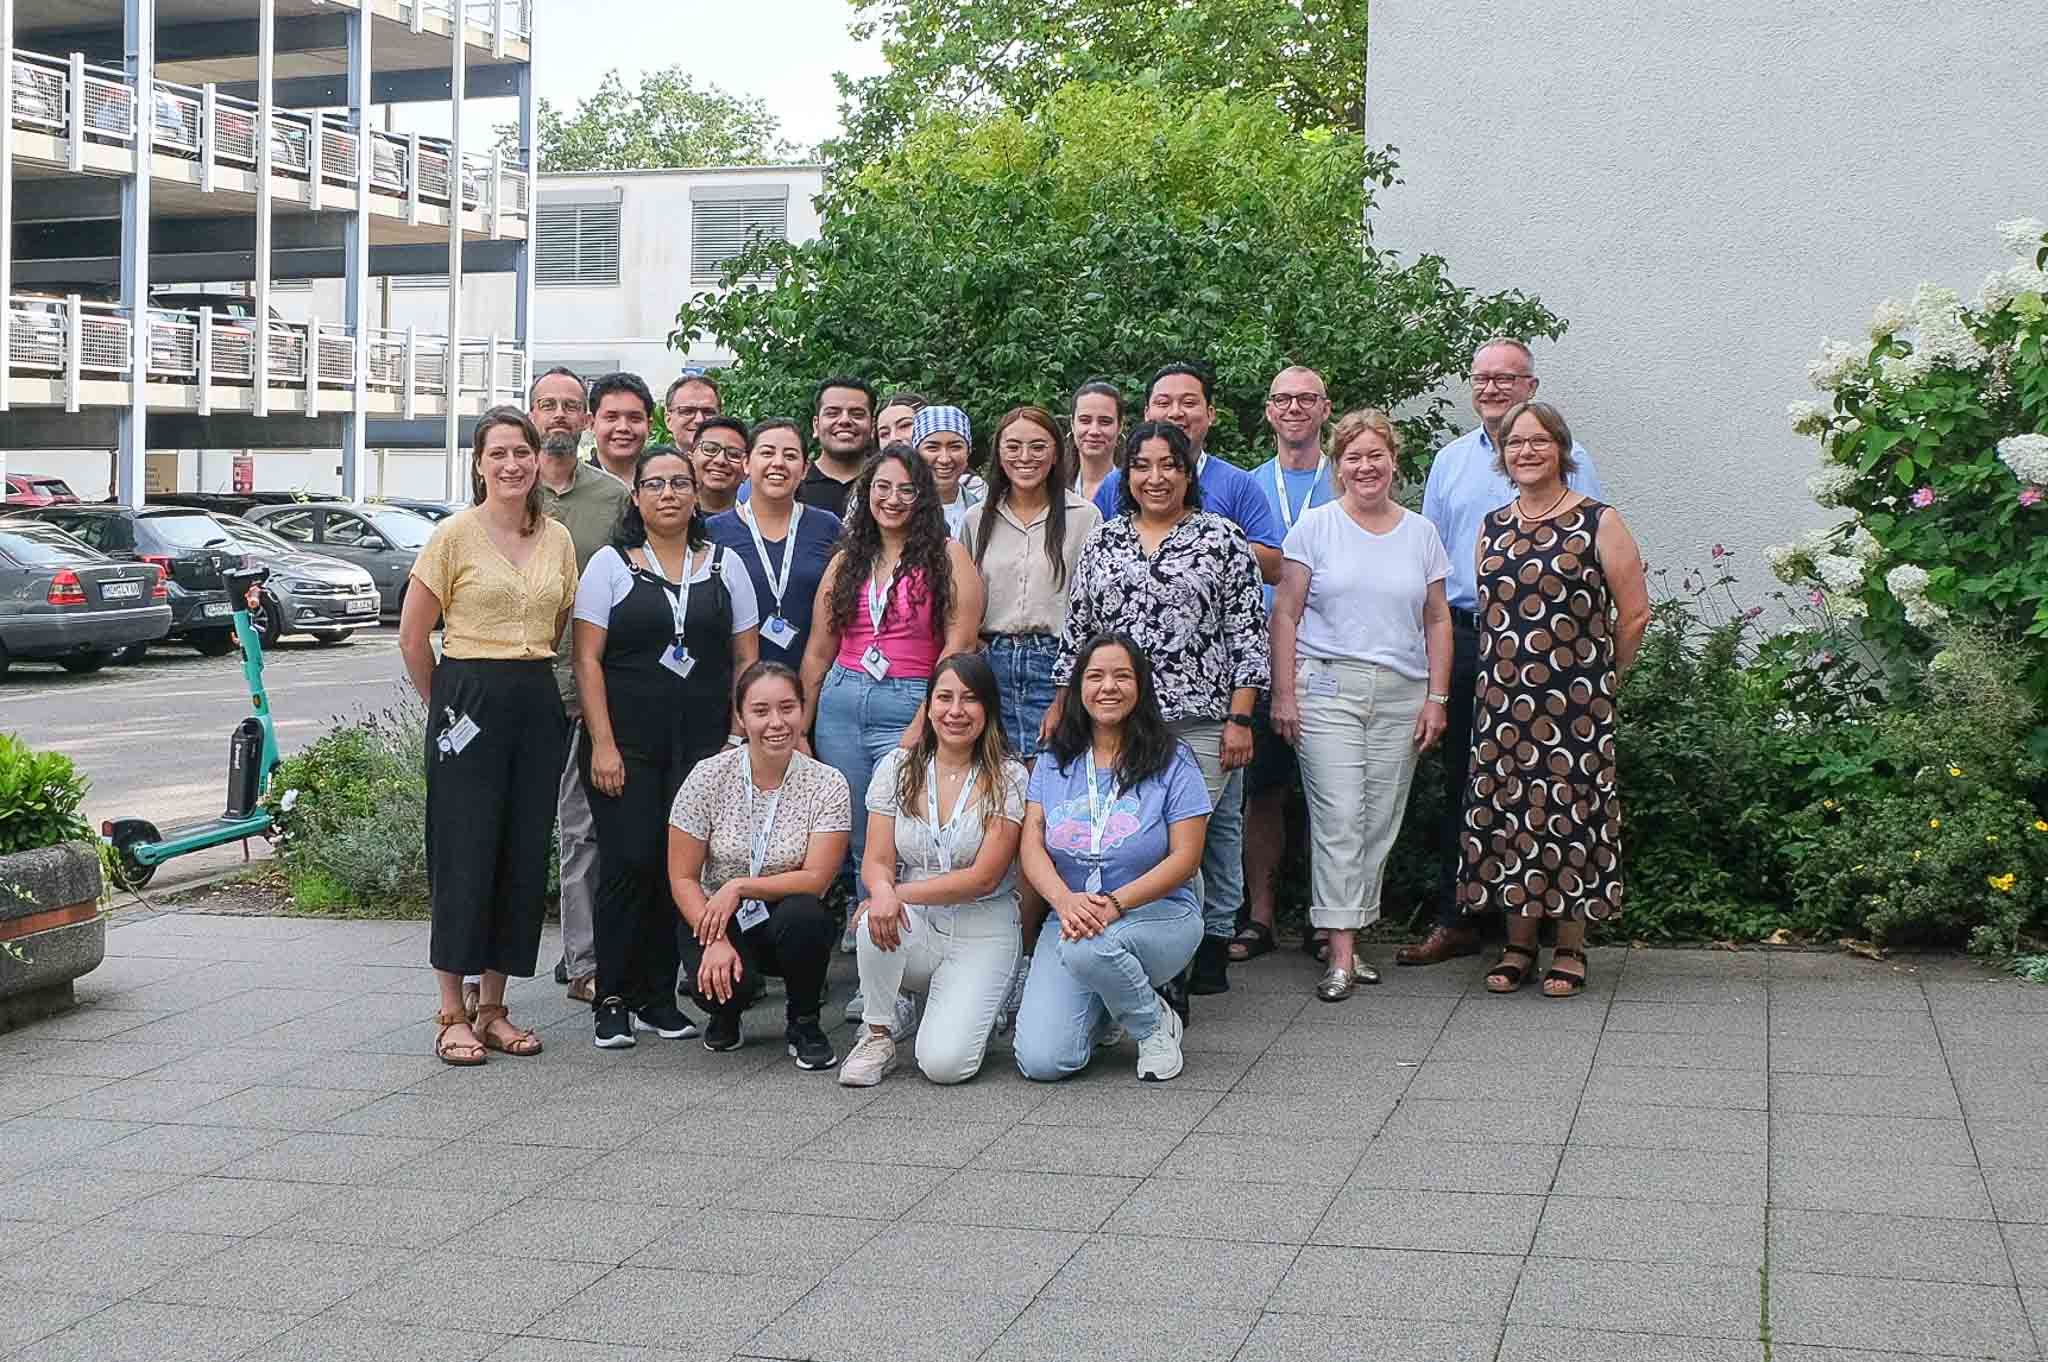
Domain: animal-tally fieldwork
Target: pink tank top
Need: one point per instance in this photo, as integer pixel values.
(906, 639)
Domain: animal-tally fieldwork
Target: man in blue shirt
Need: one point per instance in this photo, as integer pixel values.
(1463, 488)
(1183, 395)
(1298, 476)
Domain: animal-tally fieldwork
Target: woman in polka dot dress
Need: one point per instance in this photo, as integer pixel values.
(1563, 606)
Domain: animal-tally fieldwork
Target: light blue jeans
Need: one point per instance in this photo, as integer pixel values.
(1023, 667)
(1074, 985)
(859, 720)
(1220, 882)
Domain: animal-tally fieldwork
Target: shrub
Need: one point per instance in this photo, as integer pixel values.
(351, 814)
(39, 797)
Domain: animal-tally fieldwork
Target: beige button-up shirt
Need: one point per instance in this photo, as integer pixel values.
(1023, 597)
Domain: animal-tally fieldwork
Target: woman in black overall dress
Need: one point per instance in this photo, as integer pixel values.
(664, 621)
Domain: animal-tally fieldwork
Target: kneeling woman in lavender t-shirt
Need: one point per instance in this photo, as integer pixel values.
(1113, 829)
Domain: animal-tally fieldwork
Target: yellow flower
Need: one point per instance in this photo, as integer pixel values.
(1955, 770)
(1827, 804)
(1916, 855)
(1934, 822)
(1991, 841)
(2002, 883)
(2041, 825)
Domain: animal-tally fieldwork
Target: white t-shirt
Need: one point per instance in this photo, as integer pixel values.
(1366, 590)
(916, 855)
(609, 580)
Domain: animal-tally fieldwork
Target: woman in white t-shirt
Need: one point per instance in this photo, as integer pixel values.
(940, 867)
(1361, 676)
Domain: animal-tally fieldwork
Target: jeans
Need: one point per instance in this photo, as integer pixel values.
(1073, 985)
(1457, 747)
(1220, 882)
(859, 720)
(576, 834)
(795, 943)
(1357, 759)
(1023, 668)
(961, 959)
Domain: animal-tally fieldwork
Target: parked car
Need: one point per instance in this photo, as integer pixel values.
(436, 511)
(307, 593)
(62, 600)
(33, 489)
(383, 540)
(190, 548)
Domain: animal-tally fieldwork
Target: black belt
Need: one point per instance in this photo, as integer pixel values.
(1467, 618)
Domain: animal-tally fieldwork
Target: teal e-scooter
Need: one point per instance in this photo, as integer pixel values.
(139, 845)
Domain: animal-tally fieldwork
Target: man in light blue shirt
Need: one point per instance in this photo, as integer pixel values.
(1464, 486)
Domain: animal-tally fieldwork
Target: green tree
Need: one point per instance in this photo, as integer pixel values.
(1306, 58)
(670, 120)
(1002, 259)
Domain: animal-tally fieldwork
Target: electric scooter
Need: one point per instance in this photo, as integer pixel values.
(139, 846)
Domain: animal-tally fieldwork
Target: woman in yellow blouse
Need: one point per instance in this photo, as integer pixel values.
(501, 577)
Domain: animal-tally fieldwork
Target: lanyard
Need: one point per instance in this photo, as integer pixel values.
(878, 601)
(944, 836)
(778, 582)
(1098, 818)
(757, 841)
(680, 602)
(1201, 462)
(1280, 489)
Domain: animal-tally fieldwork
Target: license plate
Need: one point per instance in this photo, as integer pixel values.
(121, 591)
(363, 605)
(214, 610)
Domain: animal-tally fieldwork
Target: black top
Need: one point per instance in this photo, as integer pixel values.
(823, 491)
(654, 712)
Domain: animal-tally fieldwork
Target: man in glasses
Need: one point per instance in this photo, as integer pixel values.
(588, 502)
(690, 401)
(719, 456)
(1464, 486)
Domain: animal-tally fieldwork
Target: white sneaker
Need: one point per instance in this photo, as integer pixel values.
(1110, 1036)
(1159, 1053)
(869, 1062)
(855, 1006)
(1006, 1015)
(846, 940)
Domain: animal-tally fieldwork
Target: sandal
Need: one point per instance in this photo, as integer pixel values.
(462, 1053)
(1515, 974)
(1556, 975)
(469, 1000)
(1253, 940)
(523, 1043)
(1316, 946)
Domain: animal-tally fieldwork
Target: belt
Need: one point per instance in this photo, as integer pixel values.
(1467, 618)
(1033, 638)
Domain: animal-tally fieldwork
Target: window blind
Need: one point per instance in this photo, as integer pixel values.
(576, 245)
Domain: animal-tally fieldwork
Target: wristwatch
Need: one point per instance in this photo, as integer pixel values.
(1436, 699)
(1242, 720)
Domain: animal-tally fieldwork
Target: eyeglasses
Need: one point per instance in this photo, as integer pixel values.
(1499, 380)
(690, 413)
(675, 482)
(1532, 444)
(566, 406)
(1286, 400)
(1016, 447)
(902, 493)
(714, 451)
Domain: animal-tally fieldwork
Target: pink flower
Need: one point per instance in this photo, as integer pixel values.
(1752, 612)
(1817, 598)
(1923, 498)
(2031, 497)
(1719, 551)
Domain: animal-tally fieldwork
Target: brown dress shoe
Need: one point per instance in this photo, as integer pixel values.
(583, 988)
(1442, 943)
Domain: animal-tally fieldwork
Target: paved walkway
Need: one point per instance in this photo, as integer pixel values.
(240, 1147)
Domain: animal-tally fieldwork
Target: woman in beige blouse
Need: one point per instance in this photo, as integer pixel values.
(501, 577)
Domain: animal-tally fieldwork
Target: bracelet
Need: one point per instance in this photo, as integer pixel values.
(1242, 720)
(1436, 699)
(1114, 901)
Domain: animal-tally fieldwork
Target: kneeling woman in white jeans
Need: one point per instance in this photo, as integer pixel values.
(1113, 834)
(940, 870)
(1361, 676)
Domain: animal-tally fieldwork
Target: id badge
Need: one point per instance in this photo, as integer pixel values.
(752, 914)
(778, 631)
(459, 735)
(873, 663)
(678, 660)
(1323, 684)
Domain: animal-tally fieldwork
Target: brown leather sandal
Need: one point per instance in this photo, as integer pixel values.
(462, 1054)
(522, 1044)
(469, 1000)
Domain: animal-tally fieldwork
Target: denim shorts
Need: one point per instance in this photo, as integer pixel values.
(1023, 667)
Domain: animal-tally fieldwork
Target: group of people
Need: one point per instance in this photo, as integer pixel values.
(1039, 727)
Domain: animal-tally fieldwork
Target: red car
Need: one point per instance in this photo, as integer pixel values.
(33, 489)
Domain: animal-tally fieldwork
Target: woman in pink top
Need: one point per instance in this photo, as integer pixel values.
(899, 594)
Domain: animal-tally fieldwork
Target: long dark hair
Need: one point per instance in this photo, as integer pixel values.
(1148, 745)
(1178, 444)
(924, 548)
(1055, 490)
(991, 749)
(505, 414)
(631, 531)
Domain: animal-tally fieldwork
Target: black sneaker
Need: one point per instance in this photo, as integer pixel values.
(1209, 972)
(614, 1028)
(722, 1031)
(665, 1020)
(808, 1046)
(562, 970)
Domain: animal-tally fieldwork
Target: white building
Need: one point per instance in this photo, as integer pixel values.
(1703, 191)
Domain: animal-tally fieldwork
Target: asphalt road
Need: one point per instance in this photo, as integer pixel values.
(153, 738)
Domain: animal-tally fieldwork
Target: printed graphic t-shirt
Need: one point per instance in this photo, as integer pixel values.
(1134, 836)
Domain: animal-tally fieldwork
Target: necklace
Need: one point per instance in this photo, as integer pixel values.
(1546, 510)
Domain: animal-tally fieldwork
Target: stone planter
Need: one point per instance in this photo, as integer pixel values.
(51, 928)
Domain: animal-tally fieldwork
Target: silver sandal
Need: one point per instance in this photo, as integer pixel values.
(1338, 983)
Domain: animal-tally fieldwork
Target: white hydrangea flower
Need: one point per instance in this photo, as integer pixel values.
(1833, 366)
(1922, 613)
(1941, 334)
(1845, 606)
(1907, 581)
(1838, 572)
(1831, 484)
(2026, 456)
(1787, 563)
(1888, 317)
(2002, 286)
(1863, 546)
(1808, 418)
(1903, 371)
(2022, 236)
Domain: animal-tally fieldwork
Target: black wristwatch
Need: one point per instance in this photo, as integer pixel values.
(1242, 720)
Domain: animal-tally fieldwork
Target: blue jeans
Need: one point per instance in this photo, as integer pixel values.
(1073, 985)
(1023, 667)
(1221, 879)
(859, 720)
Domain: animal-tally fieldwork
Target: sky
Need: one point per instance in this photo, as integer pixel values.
(784, 51)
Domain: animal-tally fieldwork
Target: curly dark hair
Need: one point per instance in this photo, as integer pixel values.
(924, 548)
(631, 531)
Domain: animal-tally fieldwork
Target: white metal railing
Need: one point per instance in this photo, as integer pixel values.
(513, 17)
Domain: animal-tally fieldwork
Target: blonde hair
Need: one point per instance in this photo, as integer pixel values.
(1362, 421)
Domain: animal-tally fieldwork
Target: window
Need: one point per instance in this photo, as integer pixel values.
(296, 526)
(350, 532)
(576, 245)
(437, 282)
(726, 219)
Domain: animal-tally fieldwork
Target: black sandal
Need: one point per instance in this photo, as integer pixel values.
(1253, 940)
(1515, 974)
(1315, 944)
(1577, 981)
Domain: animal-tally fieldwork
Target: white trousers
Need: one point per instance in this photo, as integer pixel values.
(1357, 752)
(961, 959)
